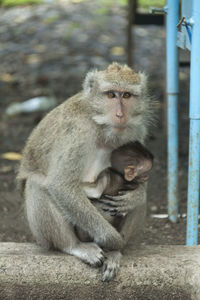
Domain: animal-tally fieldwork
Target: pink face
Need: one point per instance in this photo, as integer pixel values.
(119, 105)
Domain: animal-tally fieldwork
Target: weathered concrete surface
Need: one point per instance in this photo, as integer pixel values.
(153, 272)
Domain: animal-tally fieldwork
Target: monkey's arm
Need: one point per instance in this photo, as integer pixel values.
(132, 223)
(134, 213)
(65, 189)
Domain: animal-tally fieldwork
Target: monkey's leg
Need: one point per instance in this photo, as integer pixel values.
(129, 227)
(111, 264)
(132, 223)
(49, 227)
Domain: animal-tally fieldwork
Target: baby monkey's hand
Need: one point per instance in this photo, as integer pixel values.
(119, 205)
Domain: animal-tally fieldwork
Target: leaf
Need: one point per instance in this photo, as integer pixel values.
(41, 48)
(5, 169)
(6, 77)
(33, 59)
(117, 51)
(11, 156)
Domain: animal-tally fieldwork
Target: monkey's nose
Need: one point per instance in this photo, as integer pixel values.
(119, 114)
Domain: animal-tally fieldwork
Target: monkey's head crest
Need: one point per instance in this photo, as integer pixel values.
(116, 76)
(123, 72)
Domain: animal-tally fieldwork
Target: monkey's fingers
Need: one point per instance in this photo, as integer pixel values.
(98, 263)
(123, 211)
(118, 208)
(110, 203)
(115, 198)
(110, 210)
(122, 193)
(115, 212)
(91, 254)
(118, 214)
(121, 214)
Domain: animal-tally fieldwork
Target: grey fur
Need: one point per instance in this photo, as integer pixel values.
(55, 162)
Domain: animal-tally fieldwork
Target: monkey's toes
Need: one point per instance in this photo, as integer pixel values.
(111, 265)
(109, 271)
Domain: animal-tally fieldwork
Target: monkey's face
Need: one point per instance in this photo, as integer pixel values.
(117, 96)
(118, 105)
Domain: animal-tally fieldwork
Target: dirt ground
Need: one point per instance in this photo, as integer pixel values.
(46, 50)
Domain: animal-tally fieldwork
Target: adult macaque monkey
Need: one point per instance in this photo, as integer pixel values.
(72, 145)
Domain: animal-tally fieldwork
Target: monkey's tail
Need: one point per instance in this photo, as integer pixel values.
(21, 183)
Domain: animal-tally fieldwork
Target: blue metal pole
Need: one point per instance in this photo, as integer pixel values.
(194, 142)
(172, 102)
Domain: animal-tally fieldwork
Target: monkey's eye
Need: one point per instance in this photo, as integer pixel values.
(126, 95)
(110, 94)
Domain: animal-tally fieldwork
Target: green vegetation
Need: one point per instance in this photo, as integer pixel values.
(141, 3)
(18, 2)
(51, 19)
(105, 3)
(108, 3)
(70, 30)
(147, 3)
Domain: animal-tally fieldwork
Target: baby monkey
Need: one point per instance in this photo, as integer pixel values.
(130, 166)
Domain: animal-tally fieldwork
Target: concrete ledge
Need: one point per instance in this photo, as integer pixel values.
(150, 272)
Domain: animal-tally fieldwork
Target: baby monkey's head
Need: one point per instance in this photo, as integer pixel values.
(133, 161)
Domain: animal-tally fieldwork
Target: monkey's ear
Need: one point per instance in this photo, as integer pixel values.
(89, 81)
(130, 172)
(143, 78)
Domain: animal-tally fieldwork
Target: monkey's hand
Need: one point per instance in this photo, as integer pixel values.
(124, 202)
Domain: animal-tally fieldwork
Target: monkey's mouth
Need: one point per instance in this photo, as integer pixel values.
(118, 127)
(119, 124)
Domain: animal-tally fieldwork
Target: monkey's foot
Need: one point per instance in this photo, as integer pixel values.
(90, 253)
(111, 265)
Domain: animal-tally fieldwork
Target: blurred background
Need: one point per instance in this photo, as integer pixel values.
(46, 48)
